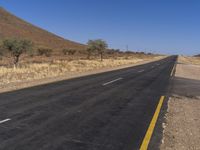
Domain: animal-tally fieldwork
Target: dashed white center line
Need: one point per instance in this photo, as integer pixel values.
(5, 120)
(112, 81)
(141, 71)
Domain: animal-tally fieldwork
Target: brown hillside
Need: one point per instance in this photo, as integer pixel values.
(12, 26)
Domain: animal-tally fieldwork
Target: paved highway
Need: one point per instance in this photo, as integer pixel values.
(106, 111)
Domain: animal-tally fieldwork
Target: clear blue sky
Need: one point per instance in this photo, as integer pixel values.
(164, 26)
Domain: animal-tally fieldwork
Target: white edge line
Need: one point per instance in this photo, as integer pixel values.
(5, 120)
(112, 81)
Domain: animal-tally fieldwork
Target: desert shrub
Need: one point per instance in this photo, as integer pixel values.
(1, 52)
(1, 55)
(65, 51)
(69, 51)
(72, 52)
(198, 55)
(141, 53)
(129, 52)
(45, 52)
(113, 51)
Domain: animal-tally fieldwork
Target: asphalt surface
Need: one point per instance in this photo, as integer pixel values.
(106, 111)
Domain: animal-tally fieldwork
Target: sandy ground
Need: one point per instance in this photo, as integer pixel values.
(189, 60)
(182, 127)
(23, 83)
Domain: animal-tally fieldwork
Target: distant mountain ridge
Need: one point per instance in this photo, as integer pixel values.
(12, 26)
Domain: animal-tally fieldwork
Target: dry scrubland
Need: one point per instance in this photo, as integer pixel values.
(181, 130)
(33, 71)
(35, 68)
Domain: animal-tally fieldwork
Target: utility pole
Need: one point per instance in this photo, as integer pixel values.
(126, 47)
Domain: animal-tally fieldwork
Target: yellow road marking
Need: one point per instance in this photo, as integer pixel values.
(150, 130)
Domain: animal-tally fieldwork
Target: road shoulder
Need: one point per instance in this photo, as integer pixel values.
(181, 127)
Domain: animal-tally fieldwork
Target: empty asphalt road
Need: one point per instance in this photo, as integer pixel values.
(106, 111)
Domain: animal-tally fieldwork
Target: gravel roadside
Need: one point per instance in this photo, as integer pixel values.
(182, 126)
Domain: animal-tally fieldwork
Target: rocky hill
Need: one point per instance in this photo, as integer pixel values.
(12, 26)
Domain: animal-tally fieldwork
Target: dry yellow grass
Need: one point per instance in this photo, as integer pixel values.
(34, 71)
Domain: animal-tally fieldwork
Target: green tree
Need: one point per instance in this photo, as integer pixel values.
(91, 48)
(89, 52)
(17, 47)
(97, 45)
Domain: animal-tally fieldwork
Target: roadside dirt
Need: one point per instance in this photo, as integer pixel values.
(182, 126)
